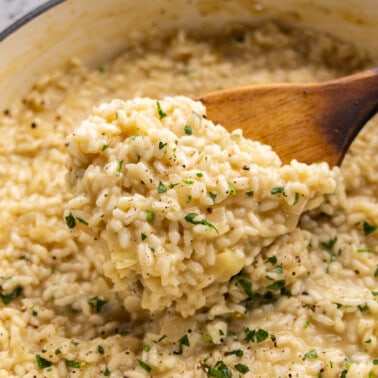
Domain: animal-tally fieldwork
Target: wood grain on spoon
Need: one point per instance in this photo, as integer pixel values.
(309, 122)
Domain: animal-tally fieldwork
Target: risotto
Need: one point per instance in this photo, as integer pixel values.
(184, 250)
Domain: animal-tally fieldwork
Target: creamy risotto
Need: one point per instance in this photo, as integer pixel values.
(177, 249)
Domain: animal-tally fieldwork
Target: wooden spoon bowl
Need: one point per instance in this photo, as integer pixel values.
(309, 122)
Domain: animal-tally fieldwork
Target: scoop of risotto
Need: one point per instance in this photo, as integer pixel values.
(180, 204)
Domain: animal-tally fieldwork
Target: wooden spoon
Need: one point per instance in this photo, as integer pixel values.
(309, 122)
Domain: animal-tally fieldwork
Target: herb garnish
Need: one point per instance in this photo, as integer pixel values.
(190, 219)
(187, 181)
(183, 341)
(58, 351)
(188, 130)
(107, 372)
(242, 368)
(161, 188)
(118, 172)
(368, 228)
(42, 362)
(272, 260)
(199, 174)
(328, 245)
(143, 236)
(73, 364)
(162, 145)
(8, 298)
(253, 335)
(160, 110)
(150, 215)
(96, 303)
(207, 338)
(278, 190)
(311, 354)
(104, 147)
(296, 198)
(232, 190)
(220, 370)
(246, 284)
(277, 285)
(250, 193)
(144, 366)
(212, 196)
(100, 349)
(83, 221)
(236, 352)
(70, 220)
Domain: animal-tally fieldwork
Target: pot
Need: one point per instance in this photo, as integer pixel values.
(95, 31)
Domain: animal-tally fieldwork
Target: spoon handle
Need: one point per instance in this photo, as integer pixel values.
(309, 122)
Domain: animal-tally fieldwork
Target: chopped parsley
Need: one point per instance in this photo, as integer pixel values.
(253, 335)
(311, 354)
(207, 338)
(146, 347)
(219, 370)
(188, 130)
(100, 349)
(328, 245)
(58, 351)
(213, 196)
(161, 188)
(278, 269)
(242, 368)
(368, 228)
(364, 250)
(144, 366)
(162, 114)
(118, 171)
(250, 193)
(96, 303)
(162, 338)
(150, 215)
(190, 218)
(42, 362)
(73, 364)
(8, 298)
(189, 198)
(187, 181)
(107, 372)
(184, 341)
(375, 361)
(306, 324)
(232, 190)
(143, 236)
(375, 293)
(376, 272)
(236, 352)
(199, 174)
(296, 198)
(272, 260)
(277, 285)
(83, 221)
(104, 147)
(70, 220)
(246, 284)
(363, 308)
(278, 190)
(162, 145)
(34, 312)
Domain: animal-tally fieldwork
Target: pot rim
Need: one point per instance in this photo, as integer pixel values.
(31, 15)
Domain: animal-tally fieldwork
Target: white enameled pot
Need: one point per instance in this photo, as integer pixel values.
(96, 30)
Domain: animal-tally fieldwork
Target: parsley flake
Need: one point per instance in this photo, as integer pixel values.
(100, 349)
(70, 220)
(278, 190)
(144, 366)
(311, 354)
(73, 364)
(8, 298)
(160, 110)
(161, 188)
(150, 215)
(190, 218)
(162, 145)
(118, 171)
(368, 228)
(96, 303)
(184, 341)
(188, 130)
(213, 196)
(42, 362)
(242, 368)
